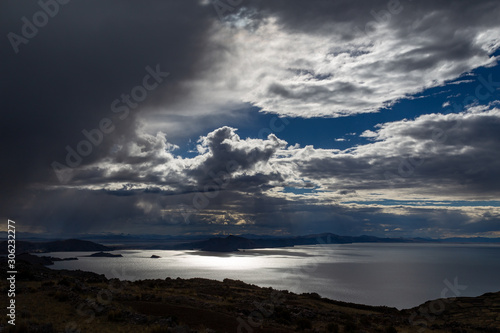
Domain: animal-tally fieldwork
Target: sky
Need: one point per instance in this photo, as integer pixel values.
(251, 117)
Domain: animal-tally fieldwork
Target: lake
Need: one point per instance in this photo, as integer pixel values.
(397, 275)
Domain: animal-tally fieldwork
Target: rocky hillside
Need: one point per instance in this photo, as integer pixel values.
(75, 301)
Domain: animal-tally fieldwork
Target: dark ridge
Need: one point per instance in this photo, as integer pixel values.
(235, 243)
(68, 245)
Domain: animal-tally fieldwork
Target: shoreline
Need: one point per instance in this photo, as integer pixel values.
(387, 284)
(227, 306)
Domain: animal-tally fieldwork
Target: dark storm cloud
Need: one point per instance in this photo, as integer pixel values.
(425, 15)
(163, 191)
(66, 77)
(100, 212)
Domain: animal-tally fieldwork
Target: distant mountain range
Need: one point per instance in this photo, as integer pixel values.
(68, 245)
(220, 244)
(469, 240)
(235, 243)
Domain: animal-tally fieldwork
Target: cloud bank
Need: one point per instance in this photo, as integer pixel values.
(290, 58)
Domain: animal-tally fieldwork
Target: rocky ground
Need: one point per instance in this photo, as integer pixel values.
(75, 301)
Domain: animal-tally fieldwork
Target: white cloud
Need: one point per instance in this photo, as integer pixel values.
(322, 73)
(435, 156)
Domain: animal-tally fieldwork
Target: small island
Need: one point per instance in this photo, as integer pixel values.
(154, 256)
(105, 254)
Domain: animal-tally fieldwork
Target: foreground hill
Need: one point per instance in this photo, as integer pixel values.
(75, 301)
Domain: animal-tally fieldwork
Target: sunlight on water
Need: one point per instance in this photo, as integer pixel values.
(232, 262)
(399, 275)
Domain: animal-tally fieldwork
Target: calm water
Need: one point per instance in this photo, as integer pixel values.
(399, 275)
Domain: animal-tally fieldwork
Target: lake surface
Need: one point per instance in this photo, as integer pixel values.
(398, 275)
